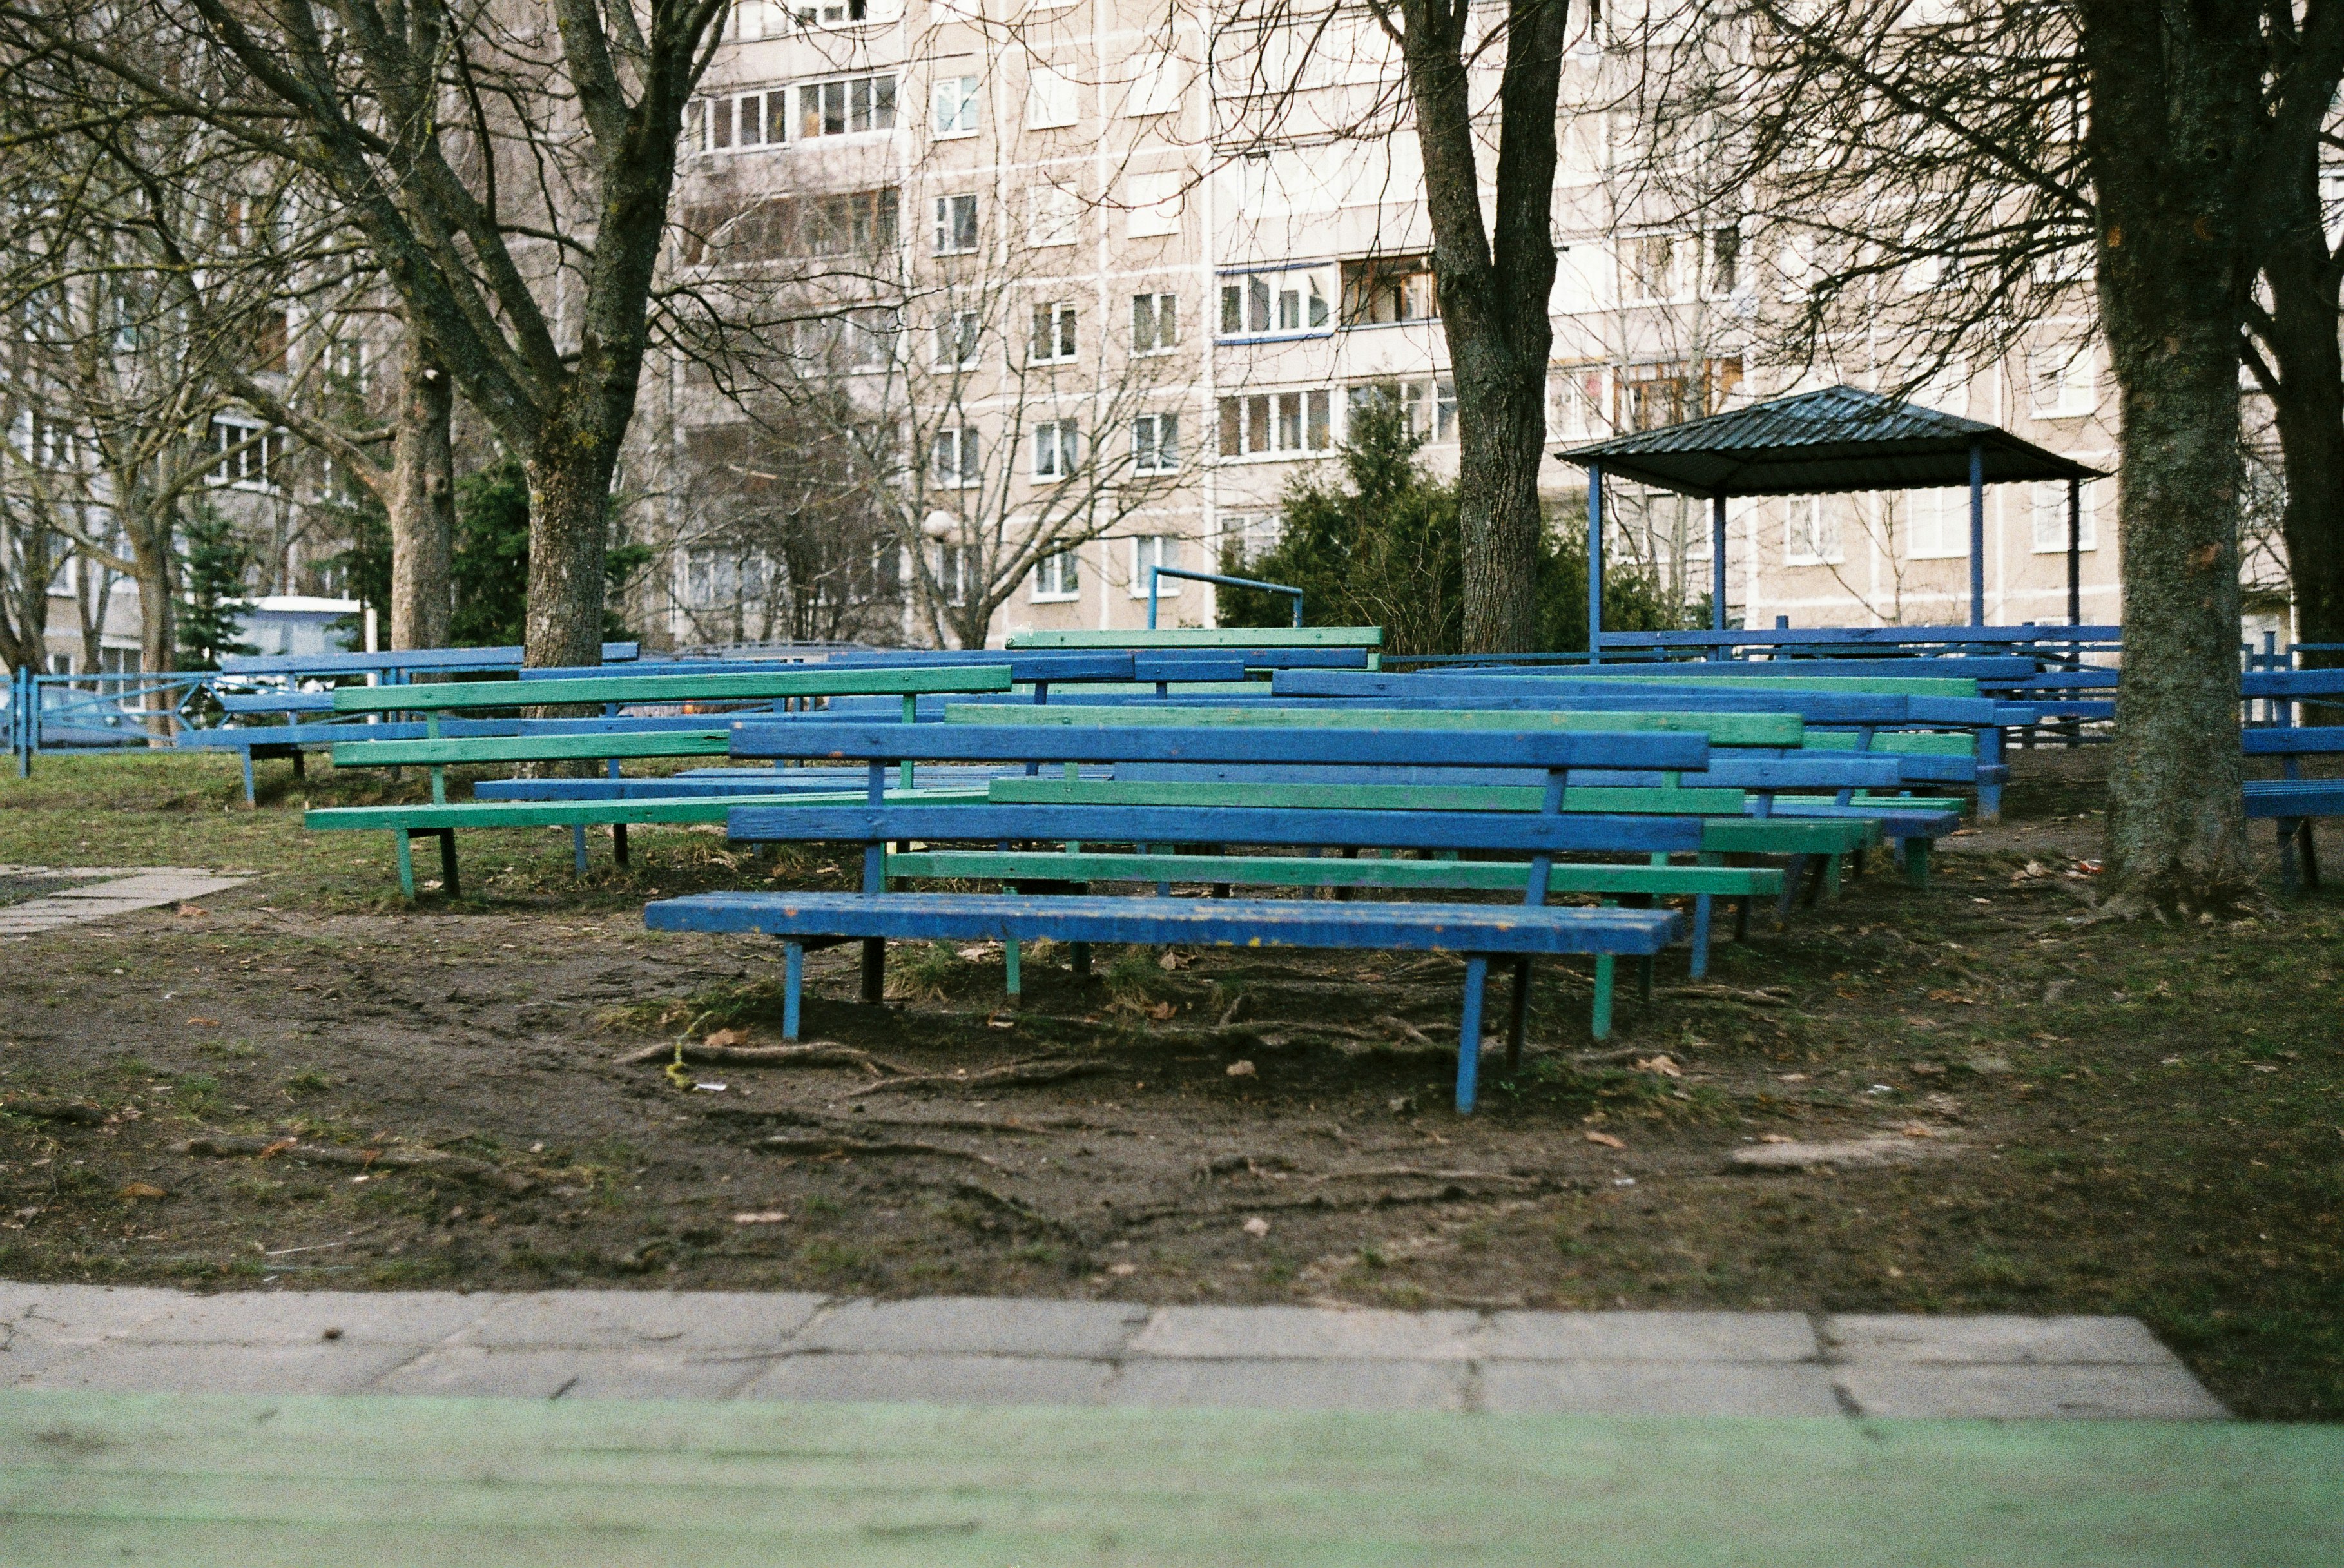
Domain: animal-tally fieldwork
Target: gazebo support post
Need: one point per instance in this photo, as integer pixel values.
(1977, 534)
(1717, 571)
(2075, 551)
(1595, 563)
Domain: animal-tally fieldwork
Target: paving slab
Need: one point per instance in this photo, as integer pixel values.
(127, 893)
(416, 1318)
(1651, 1337)
(2122, 1341)
(567, 1372)
(328, 1366)
(984, 1325)
(1293, 1383)
(961, 1379)
(1647, 1387)
(2026, 1392)
(1308, 1332)
(682, 1320)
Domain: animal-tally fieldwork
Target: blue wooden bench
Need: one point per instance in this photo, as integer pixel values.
(1479, 932)
(2292, 801)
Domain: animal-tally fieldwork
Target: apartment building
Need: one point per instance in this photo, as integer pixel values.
(1098, 282)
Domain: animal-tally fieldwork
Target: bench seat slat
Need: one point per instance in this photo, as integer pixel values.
(448, 696)
(1526, 833)
(589, 813)
(1722, 728)
(1652, 802)
(1085, 742)
(530, 748)
(1298, 871)
(1202, 922)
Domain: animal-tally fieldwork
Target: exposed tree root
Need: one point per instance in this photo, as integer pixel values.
(785, 1144)
(427, 1160)
(1033, 1070)
(812, 1053)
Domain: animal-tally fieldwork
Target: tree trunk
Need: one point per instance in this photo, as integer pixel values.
(569, 537)
(422, 504)
(25, 624)
(2308, 405)
(1493, 302)
(157, 625)
(2174, 94)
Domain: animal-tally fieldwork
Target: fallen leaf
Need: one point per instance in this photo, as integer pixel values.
(724, 1037)
(1917, 1129)
(1664, 1066)
(761, 1216)
(1161, 1011)
(1257, 1226)
(971, 953)
(1605, 1139)
(271, 1151)
(142, 1189)
(187, 909)
(1241, 1069)
(203, 1023)
(1125, 1271)
(1776, 1137)
(1172, 960)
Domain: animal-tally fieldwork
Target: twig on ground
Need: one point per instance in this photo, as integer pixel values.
(428, 1160)
(785, 1144)
(1033, 1070)
(812, 1054)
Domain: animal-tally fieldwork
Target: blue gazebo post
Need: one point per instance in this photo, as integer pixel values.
(1977, 532)
(2075, 551)
(1717, 570)
(1595, 563)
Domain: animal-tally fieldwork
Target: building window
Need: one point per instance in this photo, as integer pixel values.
(1430, 405)
(849, 106)
(1055, 450)
(1053, 217)
(1659, 267)
(1721, 262)
(1151, 204)
(955, 103)
(1260, 303)
(2051, 519)
(1155, 323)
(249, 458)
(1574, 404)
(955, 224)
(737, 122)
(1155, 443)
(1651, 396)
(957, 339)
(1940, 525)
(853, 342)
(846, 223)
(1253, 533)
(1814, 532)
(1051, 99)
(1053, 333)
(720, 580)
(1057, 576)
(831, 12)
(1278, 423)
(346, 364)
(950, 564)
(270, 333)
(1382, 290)
(955, 457)
(1155, 87)
(2063, 382)
(1149, 551)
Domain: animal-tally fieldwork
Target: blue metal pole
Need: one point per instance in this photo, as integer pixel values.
(1595, 563)
(1977, 534)
(1717, 570)
(1155, 577)
(2074, 552)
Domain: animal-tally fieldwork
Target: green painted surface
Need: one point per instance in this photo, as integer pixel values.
(1328, 871)
(453, 696)
(1905, 743)
(1209, 637)
(1722, 728)
(1787, 836)
(596, 813)
(419, 1482)
(1368, 797)
(1870, 685)
(533, 748)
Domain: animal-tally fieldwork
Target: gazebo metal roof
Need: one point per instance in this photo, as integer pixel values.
(1819, 443)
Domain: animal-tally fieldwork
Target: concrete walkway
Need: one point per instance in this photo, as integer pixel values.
(79, 900)
(660, 1345)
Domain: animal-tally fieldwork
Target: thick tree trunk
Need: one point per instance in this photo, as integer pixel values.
(25, 622)
(568, 537)
(422, 505)
(2174, 97)
(1493, 299)
(2307, 404)
(158, 624)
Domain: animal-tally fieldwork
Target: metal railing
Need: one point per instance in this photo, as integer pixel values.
(1156, 573)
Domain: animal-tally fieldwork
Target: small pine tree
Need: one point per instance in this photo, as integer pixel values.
(212, 564)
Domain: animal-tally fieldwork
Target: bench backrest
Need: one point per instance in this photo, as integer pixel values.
(1247, 637)
(2295, 741)
(1069, 664)
(1824, 674)
(1720, 729)
(440, 660)
(1888, 639)
(1850, 708)
(762, 685)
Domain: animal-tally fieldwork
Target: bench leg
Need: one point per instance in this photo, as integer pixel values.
(1517, 1023)
(2310, 857)
(1793, 875)
(1644, 978)
(1701, 902)
(793, 984)
(249, 799)
(1832, 864)
(1916, 861)
(300, 763)
(874, 969)
(1855, 860)
(619, 841)
(1082, 957)
(1469, 1034)
(577, 846)
(1599, 1024)
(448, 863)
(1009, 956)
(406, 864)
(1742, 920)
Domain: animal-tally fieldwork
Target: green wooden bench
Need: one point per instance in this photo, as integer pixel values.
(1370, 637)
(611, 738)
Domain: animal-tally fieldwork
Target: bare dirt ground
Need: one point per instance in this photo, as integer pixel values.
(302, 1083)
